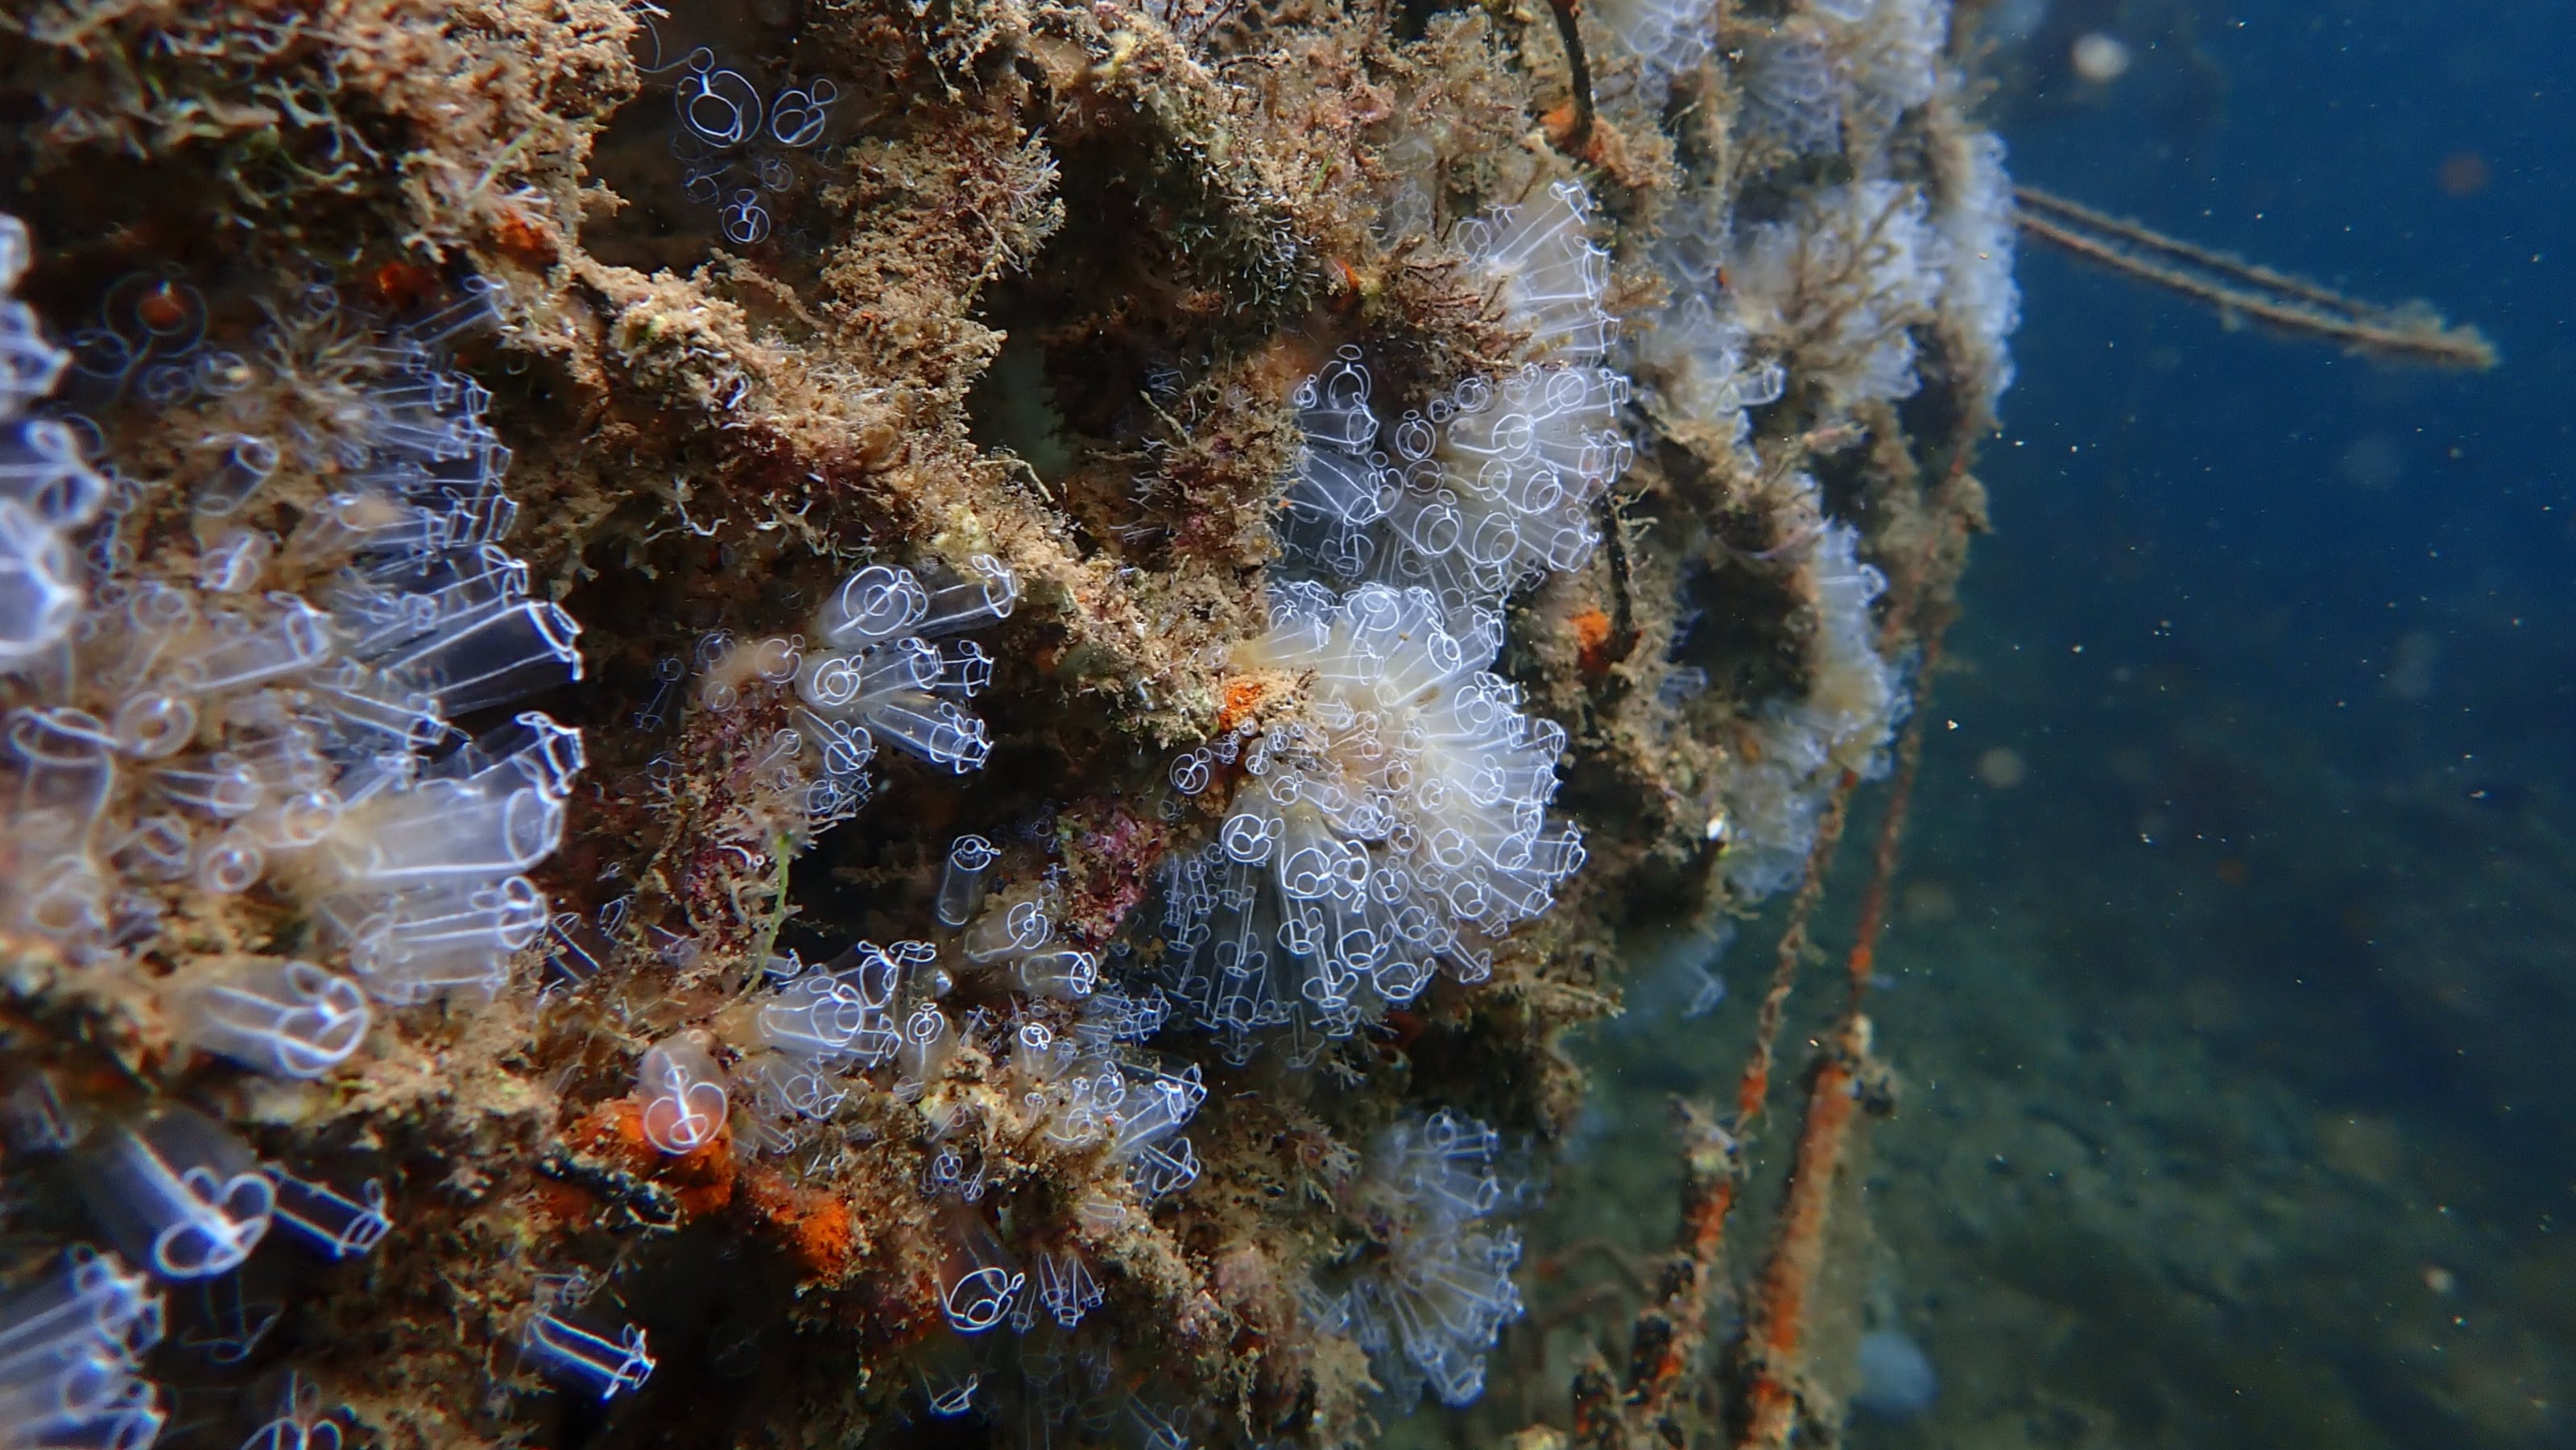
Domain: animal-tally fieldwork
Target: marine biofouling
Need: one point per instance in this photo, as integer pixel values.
(729, 724)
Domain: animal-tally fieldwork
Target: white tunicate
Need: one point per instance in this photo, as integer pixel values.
(1014, 931)
(328, 1221)
(38, 598)
(179, 1193)
(71, 1347)
(683, 1096)
(1838, 284)
(1975, 219)
(278, 716)
(961, 881)
(1494, 482)
(434, 937)
(888, 674)
(1431, 1300)
(603, 1365)
(1403, 811)
(286, 1018)
(1776, 799)
(1668, 39)
(246, 464)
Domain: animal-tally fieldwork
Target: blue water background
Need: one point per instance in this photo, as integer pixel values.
(2283, 901)
(2200, 529)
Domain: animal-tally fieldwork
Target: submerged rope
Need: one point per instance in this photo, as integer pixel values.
(2408, 332)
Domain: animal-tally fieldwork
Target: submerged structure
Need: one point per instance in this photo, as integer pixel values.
(808, 724)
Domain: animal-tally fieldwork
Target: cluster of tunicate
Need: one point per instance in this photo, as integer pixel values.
(803, 1038)
(1377, 835)
(279, 719)
(1493, 482)
(1835, 286)
(1887, 52)
(186, 1203)
(1051, 1386)
(1832, 294)
(1839, 285)
(1081, 1088)
(741, 148)
(1802, 746)
(266, 720)
(1066, 1045)
(887, 668)
(47, 489)
(71, 1353)
(1692, 358)
(1831, 65)
(1662, 39)
(1434, 1289)
(1790, 95)
(1975, 219)
(999, 999)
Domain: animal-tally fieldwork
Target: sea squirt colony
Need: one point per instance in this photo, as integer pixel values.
(276, 798)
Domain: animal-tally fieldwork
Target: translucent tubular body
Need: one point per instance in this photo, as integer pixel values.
(473, 308)
(29, 366)
(964, 669)
(928, 1039)
(284, 1018)
(683, 1097)
(95, 1304)
(603, 1366)
(154, 725)
(961, 882)
(817, 1019)
(1062, 972)
(491, 658)
(442, 829)
(364, 701)
(531, 749)
(375, 616)
(328, 1221)
(1066, 1288)
(783, 1086)
(121, 1413)
(39, 599)
(42, 470)
(247, 463)
(934, 730)
(986, 595)
(68, 759)
(225, 786)
(236, 652)
(982, 1280)
(1016, 930)
(909, 664)
(877, 603)
(1553, 276)
(296, 821)
(181, 1194)
(410, 945)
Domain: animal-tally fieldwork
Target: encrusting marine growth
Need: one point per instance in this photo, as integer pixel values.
(926, 722)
